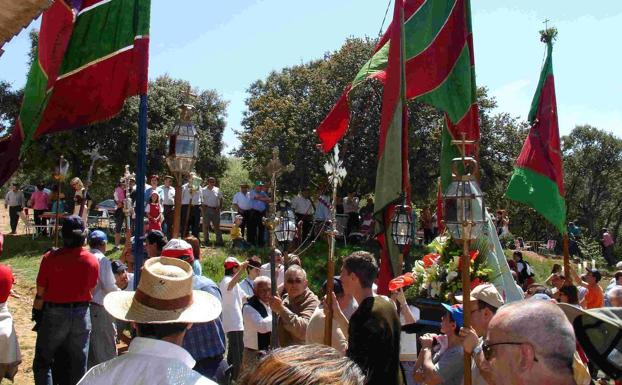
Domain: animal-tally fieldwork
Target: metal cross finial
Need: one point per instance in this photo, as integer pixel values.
(186, 109)
(546, 23)
(274, 168)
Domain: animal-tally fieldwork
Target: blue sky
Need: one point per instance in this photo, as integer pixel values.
(226, 45)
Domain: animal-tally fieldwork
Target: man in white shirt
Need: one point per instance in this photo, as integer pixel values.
(14, 201)
(168, 202)
(232, 313)
(155, 356)
(192, 212)
(102, 343)
(211, 199)
(304, 210)
(280, 269)
(257, 321)
(242, 204)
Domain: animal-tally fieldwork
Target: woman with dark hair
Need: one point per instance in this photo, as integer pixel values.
(569, 295)
(304, 365)
(196, 251)
(524, 270)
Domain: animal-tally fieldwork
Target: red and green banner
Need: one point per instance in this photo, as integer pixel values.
(392, 182)
(439, 71)
(538, 179)
(92, 55)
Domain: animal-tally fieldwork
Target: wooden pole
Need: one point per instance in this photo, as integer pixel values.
(330, 271)
(60, 189)
(566, 258)
(177, 209)
(466, 302)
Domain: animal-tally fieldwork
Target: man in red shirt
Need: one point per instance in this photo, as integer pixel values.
(65, 283)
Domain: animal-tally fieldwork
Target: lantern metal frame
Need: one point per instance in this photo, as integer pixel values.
(463, 202)
(401, 225)
(285, 227)
(183, 143)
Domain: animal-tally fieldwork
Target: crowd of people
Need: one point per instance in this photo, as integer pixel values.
(184, 328)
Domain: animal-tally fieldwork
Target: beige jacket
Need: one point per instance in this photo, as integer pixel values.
(293, 321)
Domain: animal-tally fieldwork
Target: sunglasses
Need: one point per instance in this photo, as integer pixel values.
(293, 281)
(488, 351)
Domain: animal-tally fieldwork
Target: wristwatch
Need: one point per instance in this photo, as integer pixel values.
(476, 350)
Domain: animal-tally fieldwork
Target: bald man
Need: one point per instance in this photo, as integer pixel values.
(530, 342)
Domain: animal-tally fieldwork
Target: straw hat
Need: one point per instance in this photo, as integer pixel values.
(164, 295)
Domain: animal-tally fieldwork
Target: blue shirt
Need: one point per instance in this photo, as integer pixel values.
(257, 204)
(205, 339)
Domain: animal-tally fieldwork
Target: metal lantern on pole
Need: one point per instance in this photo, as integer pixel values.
(465, 217)
(285, 229)
(401, 226)
(181, 154)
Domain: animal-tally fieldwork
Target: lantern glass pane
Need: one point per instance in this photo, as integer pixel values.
(451, 210)
(185, 146)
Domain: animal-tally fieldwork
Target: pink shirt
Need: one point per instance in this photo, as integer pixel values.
(607, 240)
(39, 200)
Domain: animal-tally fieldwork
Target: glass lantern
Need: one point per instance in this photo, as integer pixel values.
(401, 226)
(463, 203)
(285, 230)
(183, 143)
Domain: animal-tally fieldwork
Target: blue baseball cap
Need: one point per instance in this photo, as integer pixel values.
(457, 314)
(98, 235)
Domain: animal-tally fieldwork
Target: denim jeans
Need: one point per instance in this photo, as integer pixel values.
(63, 328)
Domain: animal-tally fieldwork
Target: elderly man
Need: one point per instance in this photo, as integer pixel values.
(14, 201)
(485, 299)
(242, 205)
(257, 321)
(280, 268)
(295, 309)
(304, 209)
(530, 342)
(102, 344)
(615, 296)
(168, 202)
(259, 204)
(156, 355)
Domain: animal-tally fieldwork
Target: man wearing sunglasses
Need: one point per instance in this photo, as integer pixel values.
(530, 342)
(485, 300)
(295, 309)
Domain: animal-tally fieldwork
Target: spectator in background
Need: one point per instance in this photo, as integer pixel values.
(237, 239)
(253, 270)
(530, 342)
(427, 225)
(14, 201)
(257, 322)
(304, 365)
(10, 354)
(153, 188)
(242, 205)
(102, 343)
(168, 203)
(615, 297)
(39, 203)
(304, 210)
(351, 209)
(523, 268)
(594, 297)
(280, 268)
(315, 329)
(570, 295)
(259, 204)
(444, 367)
(323, 206)
(154, 212)
(211, 199)
(196, 254)
(606, 243)
(119, 213)
(190, 216)
(408, 341)
(232, 321)
(66, 279)
(155, 240)
(615, 281)
(296, 307)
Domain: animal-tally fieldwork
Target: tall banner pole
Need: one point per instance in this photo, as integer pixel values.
(336, 174)
(141, 168)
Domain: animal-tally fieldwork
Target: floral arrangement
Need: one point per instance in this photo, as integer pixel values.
(437, 274)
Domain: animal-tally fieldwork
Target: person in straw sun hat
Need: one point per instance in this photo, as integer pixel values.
(162, 309)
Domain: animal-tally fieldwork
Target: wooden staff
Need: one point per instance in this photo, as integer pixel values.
(466, 296)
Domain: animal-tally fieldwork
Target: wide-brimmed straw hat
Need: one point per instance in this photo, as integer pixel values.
(164, 295)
